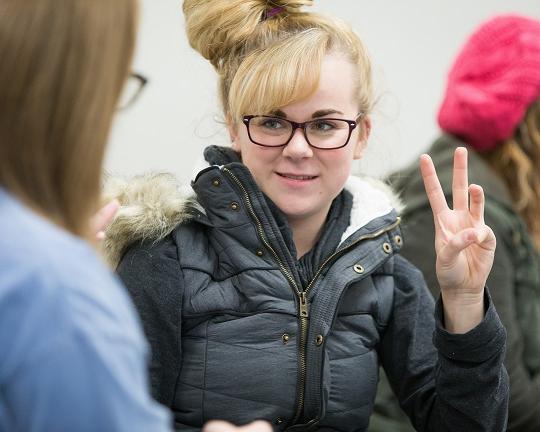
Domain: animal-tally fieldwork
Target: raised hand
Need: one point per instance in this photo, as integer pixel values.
(464, 244)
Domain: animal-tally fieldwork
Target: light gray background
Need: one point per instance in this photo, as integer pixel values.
(412, 44)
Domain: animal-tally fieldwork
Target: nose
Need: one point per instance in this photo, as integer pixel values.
(298, 147)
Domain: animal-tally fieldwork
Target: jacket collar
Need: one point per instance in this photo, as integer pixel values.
(371, 198)
(152, 205)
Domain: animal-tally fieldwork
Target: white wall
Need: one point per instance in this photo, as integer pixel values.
(412, 43)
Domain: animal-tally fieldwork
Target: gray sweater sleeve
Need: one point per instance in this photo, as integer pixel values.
(418, 230)
(444, 382)
(153, 277)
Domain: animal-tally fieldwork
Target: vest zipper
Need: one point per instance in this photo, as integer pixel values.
(304, 294)
(303, 305)
(303, 310)
(262, 235)
(346, 248)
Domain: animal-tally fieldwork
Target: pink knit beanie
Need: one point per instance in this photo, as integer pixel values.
(493, 81)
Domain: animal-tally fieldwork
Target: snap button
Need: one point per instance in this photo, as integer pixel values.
(398, 240)
(358, 268)
(319, 340)
(216, 182)
(259, 253)
(234, 206)
(285, 338)
(387, 248)
(278, 421)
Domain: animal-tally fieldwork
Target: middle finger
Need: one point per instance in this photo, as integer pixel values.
(460, 180)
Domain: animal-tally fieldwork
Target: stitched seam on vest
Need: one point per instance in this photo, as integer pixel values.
(214, 279)
(246, 399)
(204, 379)
(233, 312)
(178, 325)
(369, 349)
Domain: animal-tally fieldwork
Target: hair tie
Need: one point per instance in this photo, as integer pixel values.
(273, 12)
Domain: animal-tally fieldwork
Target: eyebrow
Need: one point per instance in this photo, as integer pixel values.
(316, 114)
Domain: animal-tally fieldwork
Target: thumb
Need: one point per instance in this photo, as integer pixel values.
(103, 217)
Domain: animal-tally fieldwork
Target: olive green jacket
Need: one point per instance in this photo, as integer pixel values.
(514, 281)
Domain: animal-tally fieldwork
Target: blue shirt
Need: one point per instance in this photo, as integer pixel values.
(72, 353)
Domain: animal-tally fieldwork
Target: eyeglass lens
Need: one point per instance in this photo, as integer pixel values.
(131, 91)
(322, 133)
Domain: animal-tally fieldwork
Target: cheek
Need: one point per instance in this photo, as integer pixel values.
(258, 160)
(340, 165)
(337, 173)
(343, 174)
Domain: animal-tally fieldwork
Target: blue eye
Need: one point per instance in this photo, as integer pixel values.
(324, 126)
(321, 126)
(271, 123)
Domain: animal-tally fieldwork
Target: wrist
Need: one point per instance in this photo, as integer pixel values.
(462, 311)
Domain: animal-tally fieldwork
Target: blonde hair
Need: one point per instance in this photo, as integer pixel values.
(517, 161)
(64, 65)
(265, 64)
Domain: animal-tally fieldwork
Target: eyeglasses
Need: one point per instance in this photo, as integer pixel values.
(132, 90)
(323, 133)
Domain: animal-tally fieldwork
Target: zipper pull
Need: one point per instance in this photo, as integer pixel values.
(303, 305)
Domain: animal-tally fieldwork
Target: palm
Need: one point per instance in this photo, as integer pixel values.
(464, 244)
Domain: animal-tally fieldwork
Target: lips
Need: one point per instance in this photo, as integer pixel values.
(297, 176)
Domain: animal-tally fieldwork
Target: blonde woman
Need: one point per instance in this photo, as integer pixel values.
(492, 106)
(276, 290)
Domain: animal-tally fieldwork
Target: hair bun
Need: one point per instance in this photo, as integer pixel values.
(217, 28)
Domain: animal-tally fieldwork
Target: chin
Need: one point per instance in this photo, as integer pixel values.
(294, 211)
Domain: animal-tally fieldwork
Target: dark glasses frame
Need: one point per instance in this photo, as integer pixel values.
(301, 125)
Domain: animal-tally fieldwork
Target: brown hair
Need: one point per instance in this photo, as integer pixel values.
(265, 64)
(517, 161)
(64, 65)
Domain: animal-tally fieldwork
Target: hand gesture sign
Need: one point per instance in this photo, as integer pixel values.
(464, 244)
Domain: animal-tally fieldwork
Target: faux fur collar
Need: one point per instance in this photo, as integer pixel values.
(151, 206)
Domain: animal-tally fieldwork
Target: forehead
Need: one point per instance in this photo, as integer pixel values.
(336, 89)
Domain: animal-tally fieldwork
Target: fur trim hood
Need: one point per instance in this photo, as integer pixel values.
(152, 205)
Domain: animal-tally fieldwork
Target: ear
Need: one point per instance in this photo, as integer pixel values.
(364, 126)
(233, 134)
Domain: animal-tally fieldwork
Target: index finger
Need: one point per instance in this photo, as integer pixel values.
(434, 191)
